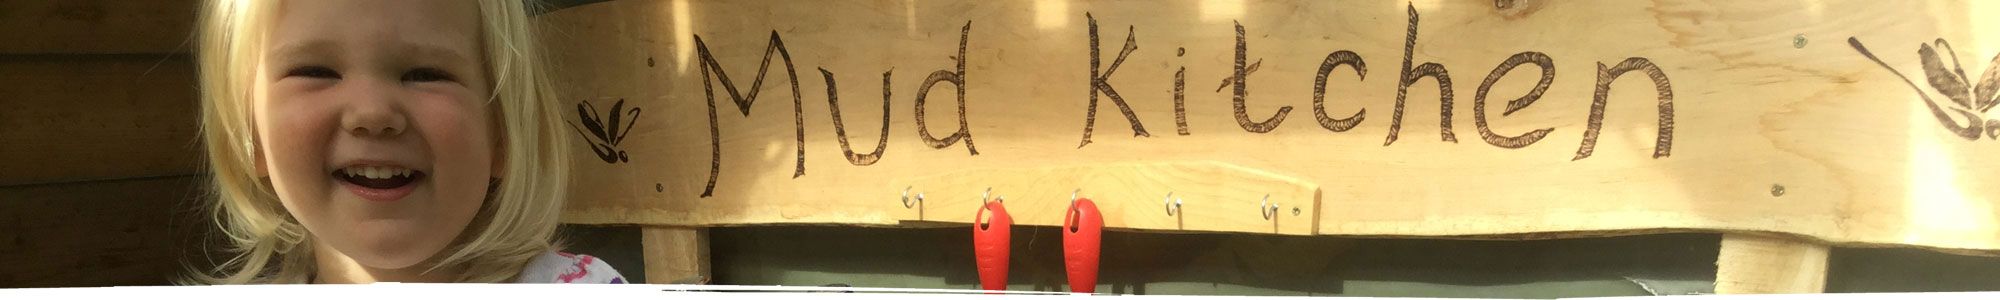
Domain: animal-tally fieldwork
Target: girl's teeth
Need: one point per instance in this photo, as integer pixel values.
(377, 172)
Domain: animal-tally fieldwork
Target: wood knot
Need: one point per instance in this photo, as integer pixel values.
(1515, 9)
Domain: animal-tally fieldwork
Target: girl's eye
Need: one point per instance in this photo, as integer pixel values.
(313, 72)
(427, 75)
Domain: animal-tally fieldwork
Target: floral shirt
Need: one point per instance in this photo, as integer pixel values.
(562, 267)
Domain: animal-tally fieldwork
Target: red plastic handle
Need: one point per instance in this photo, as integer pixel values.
(990, 245)
(1083, 233)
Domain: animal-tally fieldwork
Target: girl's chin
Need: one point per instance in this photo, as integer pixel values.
(393, 253)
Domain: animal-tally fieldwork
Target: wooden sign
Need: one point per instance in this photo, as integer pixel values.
(1850, 122)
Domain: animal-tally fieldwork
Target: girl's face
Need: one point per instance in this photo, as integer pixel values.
(374, 125)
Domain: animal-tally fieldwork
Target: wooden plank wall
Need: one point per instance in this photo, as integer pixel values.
(98, 148)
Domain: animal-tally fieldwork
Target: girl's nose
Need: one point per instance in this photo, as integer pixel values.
(375, 111)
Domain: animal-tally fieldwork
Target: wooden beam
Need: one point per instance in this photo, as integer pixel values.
(1131, 195)
(676, 255)
(1754, 264)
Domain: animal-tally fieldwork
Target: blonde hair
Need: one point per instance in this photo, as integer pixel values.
(517, 221)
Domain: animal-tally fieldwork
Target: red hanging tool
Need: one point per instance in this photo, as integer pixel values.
(990, 245)
(1083, 231)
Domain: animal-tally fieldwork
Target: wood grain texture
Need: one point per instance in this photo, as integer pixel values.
(82, 118)
(1668, 115)
(1754, 264)
(1251, 202)
(105, 233)
(675, 255)
(96, 26)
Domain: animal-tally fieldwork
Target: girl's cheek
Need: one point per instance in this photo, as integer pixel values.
(456, 111)
(458, 127)
(295, 127)
(301, 116)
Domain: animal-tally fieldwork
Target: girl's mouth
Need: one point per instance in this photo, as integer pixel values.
(379, 183)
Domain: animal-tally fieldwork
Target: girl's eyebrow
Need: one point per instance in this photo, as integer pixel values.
(402, 51)
(430, 52)
(305, 49)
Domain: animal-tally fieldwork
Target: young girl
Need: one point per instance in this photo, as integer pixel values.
(360, 141)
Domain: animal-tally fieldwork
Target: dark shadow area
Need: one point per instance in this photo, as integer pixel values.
(1225, 264)
(617, 245)
(1886, 270)
(553, 5)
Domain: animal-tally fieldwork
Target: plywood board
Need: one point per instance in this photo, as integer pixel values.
(1421, 118)
(1152, 196)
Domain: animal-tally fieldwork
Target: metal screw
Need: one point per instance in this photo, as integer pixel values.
(1295, 211)
(1777, 190)
(1267, 209)
(906, 198)
(1799, 41)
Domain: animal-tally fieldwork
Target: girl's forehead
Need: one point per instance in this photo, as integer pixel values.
(421, 28)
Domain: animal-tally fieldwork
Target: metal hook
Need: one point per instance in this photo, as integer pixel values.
(1073, 197)
(906, 198)
(1269, 210)
(988, 196)
(1173, 204)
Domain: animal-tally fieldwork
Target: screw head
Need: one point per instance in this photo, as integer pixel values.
(1777, 190)
(1799, 41)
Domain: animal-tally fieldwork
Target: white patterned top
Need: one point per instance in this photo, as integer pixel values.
(563, 267)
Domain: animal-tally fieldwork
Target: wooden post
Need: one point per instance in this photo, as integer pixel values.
(677, 255)
(1754, 264)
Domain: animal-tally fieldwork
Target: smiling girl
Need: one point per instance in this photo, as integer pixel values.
(358, 141)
